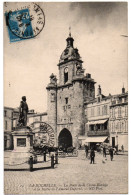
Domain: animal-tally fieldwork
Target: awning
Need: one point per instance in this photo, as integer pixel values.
(95, 139)
(97, 122)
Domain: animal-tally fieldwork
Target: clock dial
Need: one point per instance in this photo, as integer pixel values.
(66, 70)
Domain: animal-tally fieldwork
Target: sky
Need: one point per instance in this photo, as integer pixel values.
(96, 29)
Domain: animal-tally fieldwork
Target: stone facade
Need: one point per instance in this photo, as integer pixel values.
(66, 98)
(119, 120)
(97, 119)
(8, 127)
(74, 112)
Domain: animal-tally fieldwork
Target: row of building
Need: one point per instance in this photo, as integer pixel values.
(11, 116)
(74, 113)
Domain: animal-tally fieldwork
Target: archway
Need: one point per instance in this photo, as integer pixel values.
(65, 138)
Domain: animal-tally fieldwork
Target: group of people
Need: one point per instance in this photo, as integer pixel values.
(92, 153)
(110, 152)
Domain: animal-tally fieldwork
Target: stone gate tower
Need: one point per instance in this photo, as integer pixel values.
(66, 112)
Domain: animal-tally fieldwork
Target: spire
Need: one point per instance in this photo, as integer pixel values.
(69, 39)
(69, 31)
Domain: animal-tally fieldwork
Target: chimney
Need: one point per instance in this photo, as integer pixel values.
(88, 75)
(123, 89)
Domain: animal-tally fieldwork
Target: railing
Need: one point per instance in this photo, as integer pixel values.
(98, 132)
(33, 159)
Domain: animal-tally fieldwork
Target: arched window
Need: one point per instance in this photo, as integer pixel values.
(65, 74)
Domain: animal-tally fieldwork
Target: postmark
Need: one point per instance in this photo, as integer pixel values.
(25, 23)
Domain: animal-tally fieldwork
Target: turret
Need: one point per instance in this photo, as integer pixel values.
(52, 103)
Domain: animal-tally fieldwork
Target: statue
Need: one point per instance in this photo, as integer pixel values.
(23, 110)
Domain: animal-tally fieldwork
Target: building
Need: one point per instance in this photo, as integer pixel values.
(119, 120)
(8, 127)
(36, 117)
(11, 116)
(75, 114)
(97, 119)
(66, 113)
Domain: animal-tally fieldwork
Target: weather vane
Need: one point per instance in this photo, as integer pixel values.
(70, 31)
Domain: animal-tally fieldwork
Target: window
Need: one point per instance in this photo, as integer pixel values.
(126, 99)
(91, 127)
(98, 111)
(113, 112)
(126, 125)
(119, 111)
(5, 113)
(92, 111)
(65, 75)
(52, 97)
(106, 109)
(112, 126)
(126, 111)
(102, 110)
(120, 126)
(66, 100)
(6, 125)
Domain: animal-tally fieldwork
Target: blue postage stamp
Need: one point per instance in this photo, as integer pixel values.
(25, 23)
(19, 25)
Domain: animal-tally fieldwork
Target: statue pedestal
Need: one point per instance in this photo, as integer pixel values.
(23, 144)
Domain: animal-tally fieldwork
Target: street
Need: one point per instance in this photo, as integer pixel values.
(72, 175)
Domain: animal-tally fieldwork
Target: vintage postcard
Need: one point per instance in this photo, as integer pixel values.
(65, 97)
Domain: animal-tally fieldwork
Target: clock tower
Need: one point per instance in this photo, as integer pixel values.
(66, 113)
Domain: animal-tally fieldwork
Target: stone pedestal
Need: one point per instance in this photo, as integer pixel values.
(23, 144)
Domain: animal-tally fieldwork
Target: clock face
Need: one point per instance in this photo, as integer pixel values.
(66, 70)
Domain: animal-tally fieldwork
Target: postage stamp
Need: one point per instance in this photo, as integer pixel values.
(25, 23)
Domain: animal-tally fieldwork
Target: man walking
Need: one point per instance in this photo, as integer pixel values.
(111, 153)
(104, 152)
(86, 150)
(92, 156)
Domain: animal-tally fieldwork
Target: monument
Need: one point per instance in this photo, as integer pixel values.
(22, 136)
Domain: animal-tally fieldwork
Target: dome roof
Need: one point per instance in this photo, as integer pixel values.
(70, 52)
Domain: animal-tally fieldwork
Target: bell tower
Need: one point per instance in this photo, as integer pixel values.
(70, 61)
(66, 112)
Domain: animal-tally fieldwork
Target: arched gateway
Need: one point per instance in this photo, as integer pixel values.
(65, 138)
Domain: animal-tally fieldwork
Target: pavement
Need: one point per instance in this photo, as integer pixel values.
(72, 175)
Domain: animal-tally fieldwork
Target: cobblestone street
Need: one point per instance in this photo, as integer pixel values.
(74, 175)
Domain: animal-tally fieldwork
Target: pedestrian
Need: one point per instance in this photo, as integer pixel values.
(111, 153)
(86, 150)
(92, 156)
(104, 152)
(122, 148)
